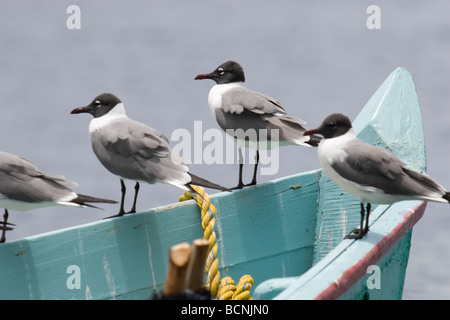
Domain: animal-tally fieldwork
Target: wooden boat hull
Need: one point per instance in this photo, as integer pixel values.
(286, 233)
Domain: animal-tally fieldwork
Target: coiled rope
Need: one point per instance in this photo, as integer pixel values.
(227, 290)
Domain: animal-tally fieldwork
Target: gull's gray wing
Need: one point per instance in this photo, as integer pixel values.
(238, 99)
(132, 150)
(246, 109)
(376, 167)
(20, 180)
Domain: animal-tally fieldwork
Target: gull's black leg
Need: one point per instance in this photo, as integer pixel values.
(358, 233)
(136, 190)
(240, 183)
(122, 200)
(255, 170)
(241, 166)
(366, 229)
(5, 223)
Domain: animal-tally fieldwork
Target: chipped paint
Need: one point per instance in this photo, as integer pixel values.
(109, 277)
(21, 253)
(343, 215)
(88, 293)
(150, 260)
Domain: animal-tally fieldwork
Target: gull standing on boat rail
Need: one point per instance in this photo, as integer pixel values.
(134, 151)
(238, 109)
(371, 174)
(23, 187)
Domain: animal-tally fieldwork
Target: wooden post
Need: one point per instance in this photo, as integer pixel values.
(178, 261)
(196, 267)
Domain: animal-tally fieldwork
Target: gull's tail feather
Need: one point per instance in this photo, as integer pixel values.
(314, 140)
(430, 186)
(195, 180)
(5, 228)
(82, 200)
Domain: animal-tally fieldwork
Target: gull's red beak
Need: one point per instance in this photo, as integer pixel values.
(311, 132)
(203, 76)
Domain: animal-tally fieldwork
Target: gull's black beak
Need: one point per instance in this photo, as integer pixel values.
(87, 109)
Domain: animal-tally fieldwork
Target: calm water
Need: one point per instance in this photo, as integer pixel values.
(314, 57)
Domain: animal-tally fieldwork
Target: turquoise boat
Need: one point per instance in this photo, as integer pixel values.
(286, 233)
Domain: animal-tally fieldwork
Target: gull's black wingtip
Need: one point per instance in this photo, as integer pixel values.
(195, 180)
(446, 196)
(83, 200)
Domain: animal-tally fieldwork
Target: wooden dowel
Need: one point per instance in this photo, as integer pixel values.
(178, 261)
(196, 267)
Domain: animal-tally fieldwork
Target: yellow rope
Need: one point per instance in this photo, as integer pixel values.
(227, 290)
(243, 288)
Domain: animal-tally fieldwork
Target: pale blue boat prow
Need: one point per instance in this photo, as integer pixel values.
(341, 269)
(286, 233)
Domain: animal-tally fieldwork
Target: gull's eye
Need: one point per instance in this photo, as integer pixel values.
(221, 71)
(97, 103)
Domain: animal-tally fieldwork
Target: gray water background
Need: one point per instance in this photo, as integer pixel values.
(315, 57)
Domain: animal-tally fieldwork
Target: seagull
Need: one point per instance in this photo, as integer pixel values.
(134, 151)
(371, 174)
(238, 109)
(23, 187)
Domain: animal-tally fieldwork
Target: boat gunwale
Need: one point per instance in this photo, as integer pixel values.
(381, 248)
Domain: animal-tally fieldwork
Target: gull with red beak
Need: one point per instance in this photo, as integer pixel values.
(132, 150)
(371, 174)
(238, 109)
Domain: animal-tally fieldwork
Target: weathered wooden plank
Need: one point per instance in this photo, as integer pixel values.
(345, 266)
(126, 258)
(392, 119)
(116, 258)
(276, 208)
(389, 284)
